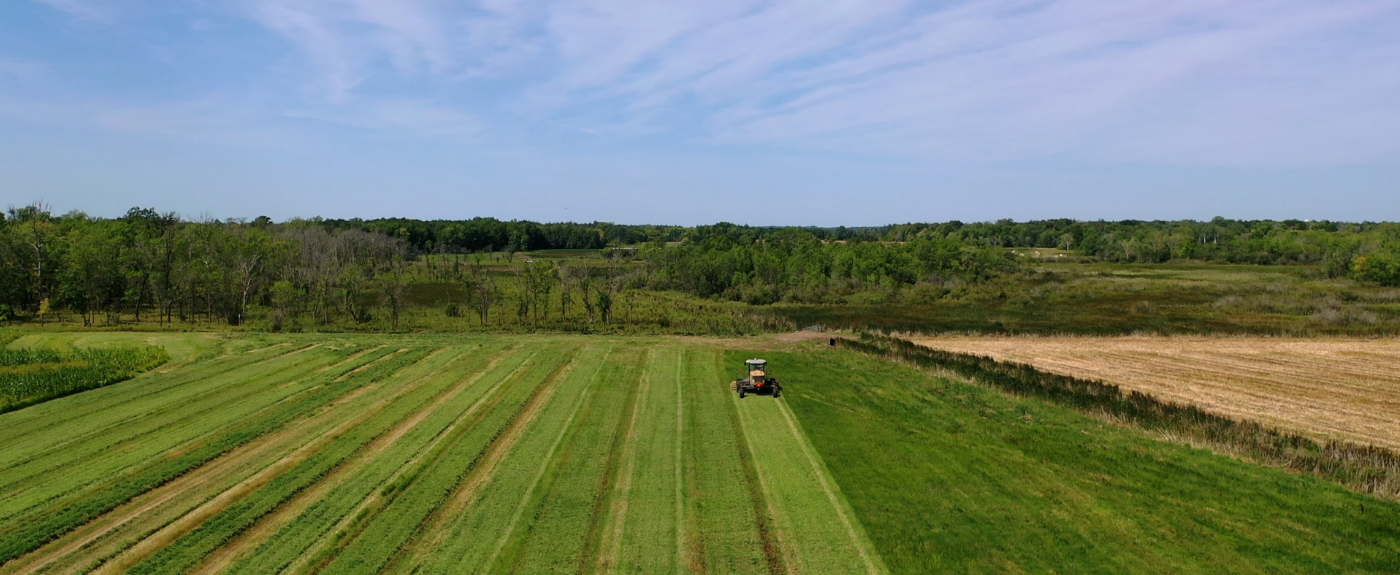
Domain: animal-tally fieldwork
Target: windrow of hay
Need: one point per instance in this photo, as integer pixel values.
(1369, 469)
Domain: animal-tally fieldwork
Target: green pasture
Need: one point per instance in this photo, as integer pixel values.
(297, 454)
(951, 477)
(377, 454)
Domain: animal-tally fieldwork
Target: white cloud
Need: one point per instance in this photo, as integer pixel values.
(414, 117)
(1219, 82)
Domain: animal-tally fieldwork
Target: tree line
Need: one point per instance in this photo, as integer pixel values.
(155, 266)
(147, 263)
(796, 265)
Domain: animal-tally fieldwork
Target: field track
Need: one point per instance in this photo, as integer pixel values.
(347, 454)
(1331, 388)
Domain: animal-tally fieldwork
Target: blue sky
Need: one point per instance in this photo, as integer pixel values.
(761, 112)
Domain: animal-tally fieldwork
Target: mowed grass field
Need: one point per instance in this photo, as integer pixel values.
(949, 477)
(1338, 388)
(421, 455)
(589, 454)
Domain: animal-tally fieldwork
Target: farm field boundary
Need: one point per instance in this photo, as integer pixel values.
(1331, 388)
(1369, 469)
(947, 476)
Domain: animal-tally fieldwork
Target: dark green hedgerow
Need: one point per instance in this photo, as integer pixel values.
(1365, 468)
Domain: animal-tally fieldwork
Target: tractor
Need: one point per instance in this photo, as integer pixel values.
(756, 380)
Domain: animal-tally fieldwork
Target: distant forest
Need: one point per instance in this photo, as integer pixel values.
(179, 269)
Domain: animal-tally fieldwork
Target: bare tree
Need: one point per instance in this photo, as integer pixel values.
(566, 290)
(481, 290)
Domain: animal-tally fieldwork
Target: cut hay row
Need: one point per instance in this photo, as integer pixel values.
(518, 412)
(438, 528)
(127, 448)
(472, 540)
(357, 419)
(267, 527)
(412, 498)
(815, 530)
(555, 522)
(59, 516)
(420, 455)
(84, 417)
(643, 520)
(325, 524)
(109, 446)
(729, 529)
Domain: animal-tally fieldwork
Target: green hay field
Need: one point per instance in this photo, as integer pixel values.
(429, 455)
(956, 478)
(589, 454)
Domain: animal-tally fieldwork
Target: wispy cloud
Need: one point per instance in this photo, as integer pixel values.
(1220, 82)
(85, 9)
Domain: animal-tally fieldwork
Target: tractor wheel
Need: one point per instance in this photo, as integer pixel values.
(741, 393)
(776, 393)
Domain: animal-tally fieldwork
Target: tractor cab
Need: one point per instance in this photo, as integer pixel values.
(757, 370)
(757, 380)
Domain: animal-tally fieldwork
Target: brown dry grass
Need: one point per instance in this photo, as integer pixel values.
(1329, 388)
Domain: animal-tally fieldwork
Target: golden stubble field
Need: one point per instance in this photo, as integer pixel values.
(1330, 388)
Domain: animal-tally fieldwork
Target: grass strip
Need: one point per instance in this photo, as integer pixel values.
(471, 542)
(727, 528)
(953, 477)
(307, 465)
(303, 517)
(28, 535)
(561, 518)
(412, 497)
(1365, 468)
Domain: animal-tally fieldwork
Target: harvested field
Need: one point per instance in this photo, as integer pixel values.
(421, 455)
(1329, 388)
(533, 454)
